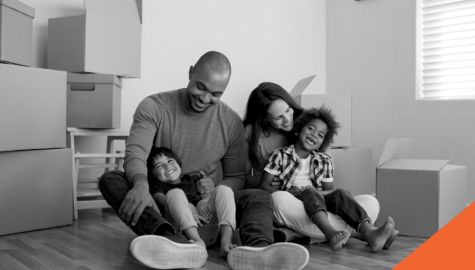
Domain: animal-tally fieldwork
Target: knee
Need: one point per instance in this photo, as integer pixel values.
(258, 196)
(175, 193)
(110, 178)
(224, 190)
(341, 193)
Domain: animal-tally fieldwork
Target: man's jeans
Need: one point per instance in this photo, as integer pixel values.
(254, 211)
(339, 202)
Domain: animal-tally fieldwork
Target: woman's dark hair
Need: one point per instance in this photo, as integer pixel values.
(256, 113)
(159, 151)
(323, 113)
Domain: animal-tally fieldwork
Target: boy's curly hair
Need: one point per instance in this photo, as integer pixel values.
(323, 113)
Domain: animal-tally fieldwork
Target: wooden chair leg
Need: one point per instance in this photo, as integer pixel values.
(75, 188)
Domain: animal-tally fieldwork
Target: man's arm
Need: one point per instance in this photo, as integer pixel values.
(234, 161)
(139, 143)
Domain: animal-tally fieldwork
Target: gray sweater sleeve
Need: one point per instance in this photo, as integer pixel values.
(140, 141)
(234, 161)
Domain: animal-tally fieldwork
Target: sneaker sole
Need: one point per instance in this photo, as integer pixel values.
(159, 252)
(283, 256)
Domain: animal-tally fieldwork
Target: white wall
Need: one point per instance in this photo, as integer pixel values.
(371, 56)
(267, 40)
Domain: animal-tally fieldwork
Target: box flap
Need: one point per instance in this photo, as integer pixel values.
(139, 6)
(19, 6)
(398, 148)
(119, 10)
(301, 85)
(94, 78)
(415, 164)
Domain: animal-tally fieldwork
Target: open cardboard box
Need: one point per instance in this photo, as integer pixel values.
(16, 32)
(339, 104)
(420, 195)
(106, 39)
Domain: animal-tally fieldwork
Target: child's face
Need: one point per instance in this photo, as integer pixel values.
(312, 135)
(166, 169)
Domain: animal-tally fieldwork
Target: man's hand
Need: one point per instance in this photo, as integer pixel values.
(135, 202)
(277, 183)
(205, 185)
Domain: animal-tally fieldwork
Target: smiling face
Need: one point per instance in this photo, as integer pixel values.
(206, 87)
(280, 115)
(311, 136)
(166, 169)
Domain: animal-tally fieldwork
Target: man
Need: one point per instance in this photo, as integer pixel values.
(206, 134)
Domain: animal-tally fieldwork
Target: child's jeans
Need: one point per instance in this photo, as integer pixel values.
(339, 202)
(180, 212)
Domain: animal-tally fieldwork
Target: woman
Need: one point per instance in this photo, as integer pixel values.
(269, 118)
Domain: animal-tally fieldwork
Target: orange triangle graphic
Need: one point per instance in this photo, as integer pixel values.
(452, 247)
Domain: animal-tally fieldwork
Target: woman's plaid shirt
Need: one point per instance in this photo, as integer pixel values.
(285, 163)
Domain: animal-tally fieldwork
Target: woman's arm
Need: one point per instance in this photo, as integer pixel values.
(266, 182)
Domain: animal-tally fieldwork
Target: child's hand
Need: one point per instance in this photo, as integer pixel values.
(296, 190)
(198, 218)
(204, 210)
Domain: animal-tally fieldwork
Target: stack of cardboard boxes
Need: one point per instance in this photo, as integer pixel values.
(35, 166)
(97, 49)
(353, 170)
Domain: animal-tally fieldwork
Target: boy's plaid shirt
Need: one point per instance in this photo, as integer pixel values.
(285, 163)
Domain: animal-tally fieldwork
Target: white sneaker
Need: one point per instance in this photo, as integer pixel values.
(159, 252)
(284, 256)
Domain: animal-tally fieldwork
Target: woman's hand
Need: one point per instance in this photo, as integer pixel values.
(277, 183)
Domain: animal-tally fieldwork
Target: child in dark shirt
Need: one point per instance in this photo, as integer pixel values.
(183, 201)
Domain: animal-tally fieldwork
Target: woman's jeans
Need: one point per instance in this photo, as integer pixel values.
(254, 212)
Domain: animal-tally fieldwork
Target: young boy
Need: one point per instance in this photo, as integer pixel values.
(307, 173)
(186, 206)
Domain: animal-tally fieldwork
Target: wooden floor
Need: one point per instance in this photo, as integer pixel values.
(99, 240)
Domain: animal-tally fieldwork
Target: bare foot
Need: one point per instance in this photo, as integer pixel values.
(226, 246)
(378, 237)
(336, 238)
(198, 242)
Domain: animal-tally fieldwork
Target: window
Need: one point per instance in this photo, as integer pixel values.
(446, 49)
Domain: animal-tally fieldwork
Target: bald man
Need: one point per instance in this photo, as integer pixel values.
(206, 134)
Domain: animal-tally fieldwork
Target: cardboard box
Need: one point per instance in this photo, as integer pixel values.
(16, 32)
(339, 104)
(32, 108)
(35, 190)
(420, 195)
(94, 101)
(354, 170)
(105, 40)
